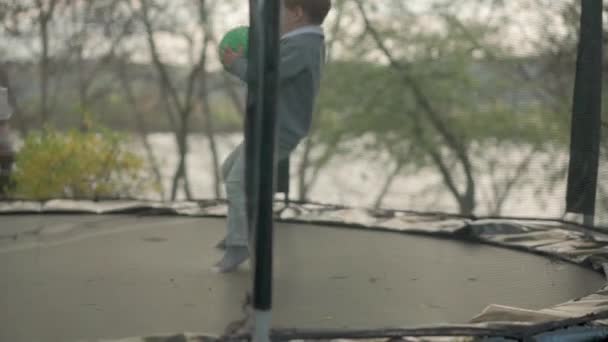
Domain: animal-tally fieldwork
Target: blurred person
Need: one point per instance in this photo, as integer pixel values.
(302, 55)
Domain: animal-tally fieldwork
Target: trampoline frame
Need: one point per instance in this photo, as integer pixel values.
(582, 245)
(576, 244)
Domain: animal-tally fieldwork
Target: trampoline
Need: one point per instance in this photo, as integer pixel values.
(75, 271)
(140, 271)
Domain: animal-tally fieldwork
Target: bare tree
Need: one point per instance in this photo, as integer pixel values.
(465, 198)
(100, 23)
(401, 161)
(125, 78)
(45, 10)
(182, 106)
(207, 25)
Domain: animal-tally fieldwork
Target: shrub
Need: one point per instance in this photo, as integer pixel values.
(74, 164)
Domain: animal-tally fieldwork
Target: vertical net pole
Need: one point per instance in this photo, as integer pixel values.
(251, 124)
(260, 136)
(586, 114)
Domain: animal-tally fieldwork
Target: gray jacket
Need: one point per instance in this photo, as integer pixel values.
(302, 58)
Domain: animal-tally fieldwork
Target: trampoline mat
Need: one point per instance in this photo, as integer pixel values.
(69, 278)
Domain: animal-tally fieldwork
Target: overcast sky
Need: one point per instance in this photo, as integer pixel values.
(526, 16)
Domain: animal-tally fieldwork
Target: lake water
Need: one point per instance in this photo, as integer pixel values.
(356, 178)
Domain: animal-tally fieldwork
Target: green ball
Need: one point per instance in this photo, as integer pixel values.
(235, 39)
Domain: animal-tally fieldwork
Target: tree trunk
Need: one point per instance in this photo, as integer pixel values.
(186, 183)
(204, 96)
(176, 178)
(330, 150)
(210, 133)
(501, 195)
(44, 67)
(141, 128)
(44, 19)
(82, 92)
(387, 184)
(302, 171)
(466, 201)
(172, 100)
(181, 173)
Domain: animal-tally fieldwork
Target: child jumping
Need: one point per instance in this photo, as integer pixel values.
(302, 56)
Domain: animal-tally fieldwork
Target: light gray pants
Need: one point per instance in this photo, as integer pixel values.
(233, 171)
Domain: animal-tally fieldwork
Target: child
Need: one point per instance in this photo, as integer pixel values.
(301, 58)
(6, 149)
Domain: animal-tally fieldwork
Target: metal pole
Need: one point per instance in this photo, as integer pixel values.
(260, 148)
(254, 85)
(586, 114)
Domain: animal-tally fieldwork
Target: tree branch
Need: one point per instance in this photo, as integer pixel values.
(424, 103)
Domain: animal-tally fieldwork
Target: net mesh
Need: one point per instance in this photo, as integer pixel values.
(467, 108)
(462, 107)
(426, 105)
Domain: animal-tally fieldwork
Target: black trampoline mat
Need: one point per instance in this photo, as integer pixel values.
(69, 278)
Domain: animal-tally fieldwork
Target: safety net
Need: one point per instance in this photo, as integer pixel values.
(448, 182)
